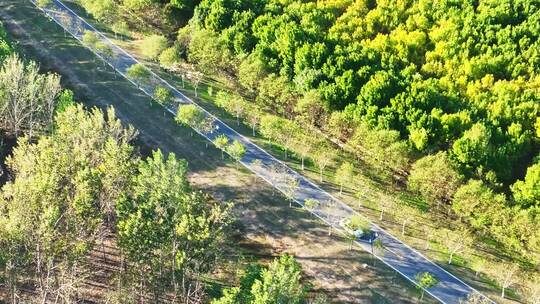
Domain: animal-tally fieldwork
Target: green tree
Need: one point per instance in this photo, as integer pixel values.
(207, 50)
(280, 283)
(152, 46)
(230, 296)
(221, 142)
(163, 95)
(291, 185)
(505, 274)
(425, 280)
(350, 238)
(277, 283)
(250, 72)
(310, 108)
(253, 116)
(28, 99)
(43, 3)
(137, 5)
(311, 204)
(282, 131)
(434, 177)
(190, 116)
(381, 149)
(103, 10)
(323, 157)
(236, 150)
(455, 241)
(478, 205)
(170, 58)
(120, 27)
(527, 191)
(5, 47)
(303, 145)
(105, 50)
(139, 73)
(233, 104)
(344, 175)
(471, 150)
(165, 227)
(90, 39)
(406, 215)
(67, 216)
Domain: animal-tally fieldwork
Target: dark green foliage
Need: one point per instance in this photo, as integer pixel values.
(438, 74)
(277, 283)
(5, 47)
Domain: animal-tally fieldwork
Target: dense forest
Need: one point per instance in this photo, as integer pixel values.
(450, 76)
(75, 183)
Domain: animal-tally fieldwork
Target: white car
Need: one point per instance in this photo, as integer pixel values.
(345, 223)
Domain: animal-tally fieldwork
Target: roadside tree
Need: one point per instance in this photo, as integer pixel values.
(434, 177)
(138, 73)
(90, 39)
(291, 185)
(170, 59)
(221, 142)
(236, 150)
(323, 157)
(190, 116)
(425, 280)
(152, 46)
(455, 241)
(344, 176)
(163, 96)
(506, 275)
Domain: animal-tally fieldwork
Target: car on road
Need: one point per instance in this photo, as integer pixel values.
(356, 231)
(362, 233)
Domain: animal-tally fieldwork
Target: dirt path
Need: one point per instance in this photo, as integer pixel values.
(266, 225)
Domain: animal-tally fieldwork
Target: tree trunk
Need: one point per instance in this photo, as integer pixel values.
(253, 130)
(303, 163)
(403, 227)
(502, 292)
(450, 258)
(381, 215)
(321, 175)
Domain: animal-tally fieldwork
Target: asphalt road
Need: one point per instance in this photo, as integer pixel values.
(396, 254)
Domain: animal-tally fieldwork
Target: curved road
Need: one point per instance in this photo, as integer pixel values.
(397, 255)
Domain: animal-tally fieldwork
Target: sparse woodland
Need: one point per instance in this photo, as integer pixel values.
(75, 183)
